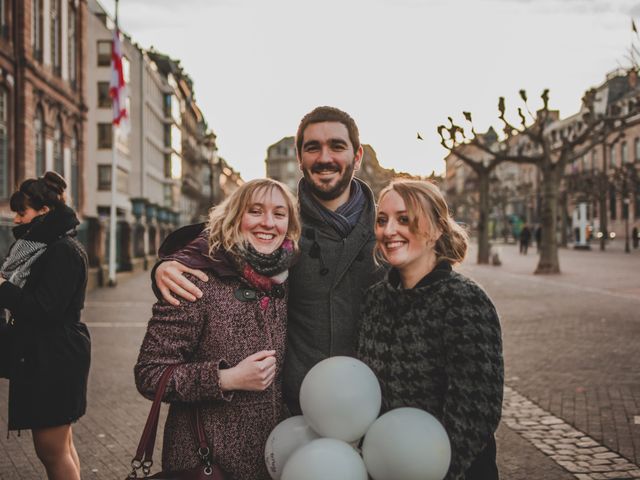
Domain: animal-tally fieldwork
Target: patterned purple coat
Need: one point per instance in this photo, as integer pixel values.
(218, 331)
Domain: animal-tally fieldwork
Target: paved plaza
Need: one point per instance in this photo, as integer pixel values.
(572, 401)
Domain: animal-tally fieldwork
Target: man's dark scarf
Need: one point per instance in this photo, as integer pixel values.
(346, 216)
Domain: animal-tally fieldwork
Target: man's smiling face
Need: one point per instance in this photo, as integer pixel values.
(327, 159)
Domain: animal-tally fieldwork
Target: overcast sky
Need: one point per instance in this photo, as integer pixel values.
(397, 66)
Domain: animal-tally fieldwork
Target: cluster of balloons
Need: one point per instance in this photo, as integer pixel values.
(340, 399)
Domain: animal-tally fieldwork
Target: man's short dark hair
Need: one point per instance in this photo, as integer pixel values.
(328, 114)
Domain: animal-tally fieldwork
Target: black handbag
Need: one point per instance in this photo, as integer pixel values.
(143, 459)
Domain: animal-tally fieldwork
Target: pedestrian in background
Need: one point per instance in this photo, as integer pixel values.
(538, 235)
(42, 287)
(634, 236)
(431, 335)
(525, 238)
(229, 346)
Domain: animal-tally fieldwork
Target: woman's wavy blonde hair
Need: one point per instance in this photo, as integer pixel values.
(225, 218)
(424, 202)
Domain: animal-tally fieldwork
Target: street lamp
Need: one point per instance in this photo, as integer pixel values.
(626, 225)
(138, 207)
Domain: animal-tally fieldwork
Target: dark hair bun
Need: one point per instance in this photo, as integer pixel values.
(47, 190)
(55, 182)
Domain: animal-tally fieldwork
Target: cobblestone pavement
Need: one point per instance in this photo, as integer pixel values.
(570, 357)
(570, 345)
(106, 437)
(570, 448)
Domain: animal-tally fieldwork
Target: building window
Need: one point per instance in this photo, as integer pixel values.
(636, 210)
(176, 138)
(72, 43)
(104, 135)
(38, 131)
(104, 179)
(58, 158)
(4, 27)
(36, 29)
(167, 191)
(174, 167)
(594, 159)
(624, 158)
(4, 143)
(104, 53)
(172, 108)
(104, 99)
(56, 36)
(612, 157)
(75, 171)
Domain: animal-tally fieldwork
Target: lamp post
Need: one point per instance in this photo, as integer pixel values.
(138, 206)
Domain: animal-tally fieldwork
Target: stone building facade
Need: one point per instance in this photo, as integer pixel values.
(42, 97)
(166, 159)
(282, 164)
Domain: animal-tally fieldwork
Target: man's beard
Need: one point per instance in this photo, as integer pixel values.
(334, 192)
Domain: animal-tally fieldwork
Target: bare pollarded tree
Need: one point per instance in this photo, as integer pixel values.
(541, 139)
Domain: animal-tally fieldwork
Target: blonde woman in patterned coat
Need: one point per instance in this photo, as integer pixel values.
(431, 335)
(229, 346)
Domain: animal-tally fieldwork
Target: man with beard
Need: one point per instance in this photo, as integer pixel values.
(335, 265)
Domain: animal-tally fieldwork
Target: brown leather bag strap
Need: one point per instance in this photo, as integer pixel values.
(144, 453)
(205, 453)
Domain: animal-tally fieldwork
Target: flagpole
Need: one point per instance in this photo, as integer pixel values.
(114, 170)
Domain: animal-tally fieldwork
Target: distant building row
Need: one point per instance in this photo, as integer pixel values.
(605, 178)
(55, 114)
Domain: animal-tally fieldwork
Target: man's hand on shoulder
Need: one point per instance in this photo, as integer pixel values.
(170, 280)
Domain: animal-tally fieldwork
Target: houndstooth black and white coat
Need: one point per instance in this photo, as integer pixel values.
(438, 347)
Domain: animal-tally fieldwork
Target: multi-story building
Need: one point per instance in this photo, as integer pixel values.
(42, 92)
(228, 179)
(282, 164)
(375, 175)
(165, 159)
(193, 155)
(604, 177)
(100, 138)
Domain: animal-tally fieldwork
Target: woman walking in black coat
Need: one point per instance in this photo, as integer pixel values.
(431, 335)
(42, 289)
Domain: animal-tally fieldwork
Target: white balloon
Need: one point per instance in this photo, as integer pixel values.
(325, 459)
(287, 437)
(340, 398)
(407, 444)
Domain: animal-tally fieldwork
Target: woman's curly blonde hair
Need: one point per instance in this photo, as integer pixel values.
(225, 218)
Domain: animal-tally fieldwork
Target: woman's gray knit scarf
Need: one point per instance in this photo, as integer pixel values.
(17, 265)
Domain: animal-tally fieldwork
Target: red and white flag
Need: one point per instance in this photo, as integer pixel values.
(117, 86)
